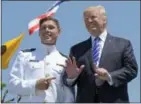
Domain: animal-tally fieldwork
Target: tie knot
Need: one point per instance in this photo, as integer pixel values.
(97, 39)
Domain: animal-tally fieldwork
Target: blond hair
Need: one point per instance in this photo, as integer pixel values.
(99, 7)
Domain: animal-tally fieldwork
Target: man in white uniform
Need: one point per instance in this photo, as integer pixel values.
(41, 81)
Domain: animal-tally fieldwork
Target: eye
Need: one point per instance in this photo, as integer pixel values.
(51, 27)
(94, 17)
(43, 28)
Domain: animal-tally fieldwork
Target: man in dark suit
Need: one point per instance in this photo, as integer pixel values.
(101, 66)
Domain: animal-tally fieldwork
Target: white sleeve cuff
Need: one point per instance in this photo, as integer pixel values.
(110, 80)
(70, 81)
(32, 84)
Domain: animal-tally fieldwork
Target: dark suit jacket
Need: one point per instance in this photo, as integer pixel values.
(118, 58)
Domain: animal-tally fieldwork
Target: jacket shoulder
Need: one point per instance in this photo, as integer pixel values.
(63, 55)
(82, 44)
(80, 49)
(26, 54)
(121, 41)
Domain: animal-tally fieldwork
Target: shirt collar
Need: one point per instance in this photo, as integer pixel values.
(102, 36)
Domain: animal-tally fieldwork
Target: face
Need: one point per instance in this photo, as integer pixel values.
(95, 21)
(49, 32)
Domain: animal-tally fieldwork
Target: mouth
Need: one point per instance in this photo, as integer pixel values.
(47, 34)
(92, 27)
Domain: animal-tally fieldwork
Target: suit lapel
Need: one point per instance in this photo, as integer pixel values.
(106, 48)
(89, 58)
(88, 55)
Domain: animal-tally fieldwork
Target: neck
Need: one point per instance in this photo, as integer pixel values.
(51, 48)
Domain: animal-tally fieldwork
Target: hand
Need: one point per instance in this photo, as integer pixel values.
(101, 73)
(71, 68)
(43, 84)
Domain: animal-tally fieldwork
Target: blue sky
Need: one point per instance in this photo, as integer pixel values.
(123, 21)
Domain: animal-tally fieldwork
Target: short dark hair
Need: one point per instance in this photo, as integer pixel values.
(49, 18)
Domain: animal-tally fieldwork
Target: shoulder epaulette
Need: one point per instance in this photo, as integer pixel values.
(29, 50)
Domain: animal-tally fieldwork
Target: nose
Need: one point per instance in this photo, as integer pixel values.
(47, 29)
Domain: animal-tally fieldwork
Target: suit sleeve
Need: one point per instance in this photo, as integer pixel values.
(17, 84)
(130, 69)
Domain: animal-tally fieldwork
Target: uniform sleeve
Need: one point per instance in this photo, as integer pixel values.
(17, 84)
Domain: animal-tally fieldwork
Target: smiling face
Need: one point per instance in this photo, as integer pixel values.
(95, 20)
(49, 31)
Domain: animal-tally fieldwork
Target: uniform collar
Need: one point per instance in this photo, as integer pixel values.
(51, 49)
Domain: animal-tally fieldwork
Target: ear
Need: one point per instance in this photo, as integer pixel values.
(59, 31)
(104, 20)
(104, 23)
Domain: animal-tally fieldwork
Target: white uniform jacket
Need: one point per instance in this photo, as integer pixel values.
(27, 70)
